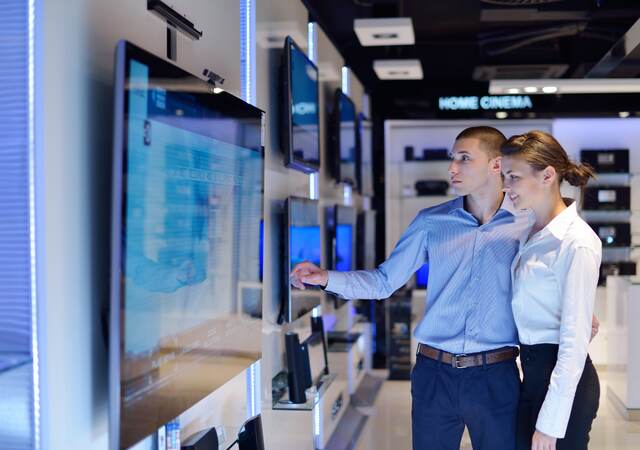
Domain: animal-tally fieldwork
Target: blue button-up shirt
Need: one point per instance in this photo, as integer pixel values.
(469, 294)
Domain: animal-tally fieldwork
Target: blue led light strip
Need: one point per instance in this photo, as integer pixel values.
(248, 51)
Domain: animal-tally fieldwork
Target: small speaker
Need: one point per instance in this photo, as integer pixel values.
(250, 436)
(607, 198)
(202, 440)
(295, 366)
(613, 234)
(615, 268)
(431, 187)
(607, 161)
(317, 326)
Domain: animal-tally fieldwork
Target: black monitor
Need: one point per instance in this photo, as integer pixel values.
(341, 229)
(300, 110)
(364, 165)
(343, 139)
(188, 179)
(300, 242)
(366, 240)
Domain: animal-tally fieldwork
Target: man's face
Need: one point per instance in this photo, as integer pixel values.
(470, 167)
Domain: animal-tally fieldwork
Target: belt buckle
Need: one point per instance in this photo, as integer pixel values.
(456, 363)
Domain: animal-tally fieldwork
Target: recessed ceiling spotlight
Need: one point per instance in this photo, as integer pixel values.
(398, 69)
(513, 91)
(549, 89)
(531, 89)
(624, 114)
(384, 31)
(501, 115)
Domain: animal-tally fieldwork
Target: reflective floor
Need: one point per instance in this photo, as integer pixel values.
(389, 423)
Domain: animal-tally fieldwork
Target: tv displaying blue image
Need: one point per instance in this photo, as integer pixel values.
(304, 244)
(422, 276)
(344, 247)
(347, 139)
(301, 112)
(187, 207)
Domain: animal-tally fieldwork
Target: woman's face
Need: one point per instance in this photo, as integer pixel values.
(525, 186)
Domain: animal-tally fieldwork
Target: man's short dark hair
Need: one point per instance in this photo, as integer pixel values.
(491, 139)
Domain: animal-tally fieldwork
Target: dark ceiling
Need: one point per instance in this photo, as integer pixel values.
(456, 39)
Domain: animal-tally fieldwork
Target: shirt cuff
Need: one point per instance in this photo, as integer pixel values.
(554, 415)
(335, 282)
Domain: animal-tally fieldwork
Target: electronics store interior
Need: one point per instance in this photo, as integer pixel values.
(319, 224)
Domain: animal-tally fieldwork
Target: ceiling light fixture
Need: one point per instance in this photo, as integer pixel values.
(398, 69)
(513, 91)
(531, 89)
(624, 114)
(501, 115)
(569, 86)
(384, 31)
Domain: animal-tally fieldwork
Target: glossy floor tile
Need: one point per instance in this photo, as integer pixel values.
(389, 423)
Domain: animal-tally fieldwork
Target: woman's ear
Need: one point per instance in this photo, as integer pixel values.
(549, 175)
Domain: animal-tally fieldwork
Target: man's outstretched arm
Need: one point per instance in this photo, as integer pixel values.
(408, 256)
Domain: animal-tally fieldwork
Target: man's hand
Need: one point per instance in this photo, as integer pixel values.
(542, 441)
(595, 326)
(308, 273)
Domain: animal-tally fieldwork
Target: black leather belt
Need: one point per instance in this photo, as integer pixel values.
(462, 361)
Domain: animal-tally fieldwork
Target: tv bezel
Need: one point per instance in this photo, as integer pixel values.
(286, 114)
(286, 310)
(125, 52)
(334, 131)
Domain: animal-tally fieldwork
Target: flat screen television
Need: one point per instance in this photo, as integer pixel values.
(366, 241)
(343, 139)
(188, 176)
(301, 242)
(300, 110)
(364, 165)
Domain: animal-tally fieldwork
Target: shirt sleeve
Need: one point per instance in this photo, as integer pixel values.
(579, 284)
(409, 254)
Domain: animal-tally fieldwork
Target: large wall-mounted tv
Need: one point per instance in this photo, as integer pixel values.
(300, 110)
(343, 142)
(364, 165)
(301, 242)
(341, 229)
(187, 206)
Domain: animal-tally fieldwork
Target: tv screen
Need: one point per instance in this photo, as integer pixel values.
(344, 247)
(365, 157)
(422, 276)
(344, 139)
(300, 112)
(187, 206)
(301, 243)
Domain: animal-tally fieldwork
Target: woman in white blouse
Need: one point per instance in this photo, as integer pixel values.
(555, 275)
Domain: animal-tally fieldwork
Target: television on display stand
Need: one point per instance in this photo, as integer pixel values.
(300, 115)
(188, 177)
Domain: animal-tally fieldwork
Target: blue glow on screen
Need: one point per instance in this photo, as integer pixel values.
(193, 209)
(344, 247)
(305, 244)
(422, 276)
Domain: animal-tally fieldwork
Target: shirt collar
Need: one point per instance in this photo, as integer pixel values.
(507, 205)
(560, 223)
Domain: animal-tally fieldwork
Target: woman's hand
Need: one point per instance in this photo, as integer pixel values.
(542, 441)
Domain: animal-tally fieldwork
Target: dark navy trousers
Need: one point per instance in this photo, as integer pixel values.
(445, 399)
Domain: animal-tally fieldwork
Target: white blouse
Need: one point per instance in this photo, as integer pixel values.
(555, 276)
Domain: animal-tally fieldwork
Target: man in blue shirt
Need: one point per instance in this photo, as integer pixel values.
(465, 373)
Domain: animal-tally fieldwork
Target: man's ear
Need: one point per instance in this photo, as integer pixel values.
(496, 164)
